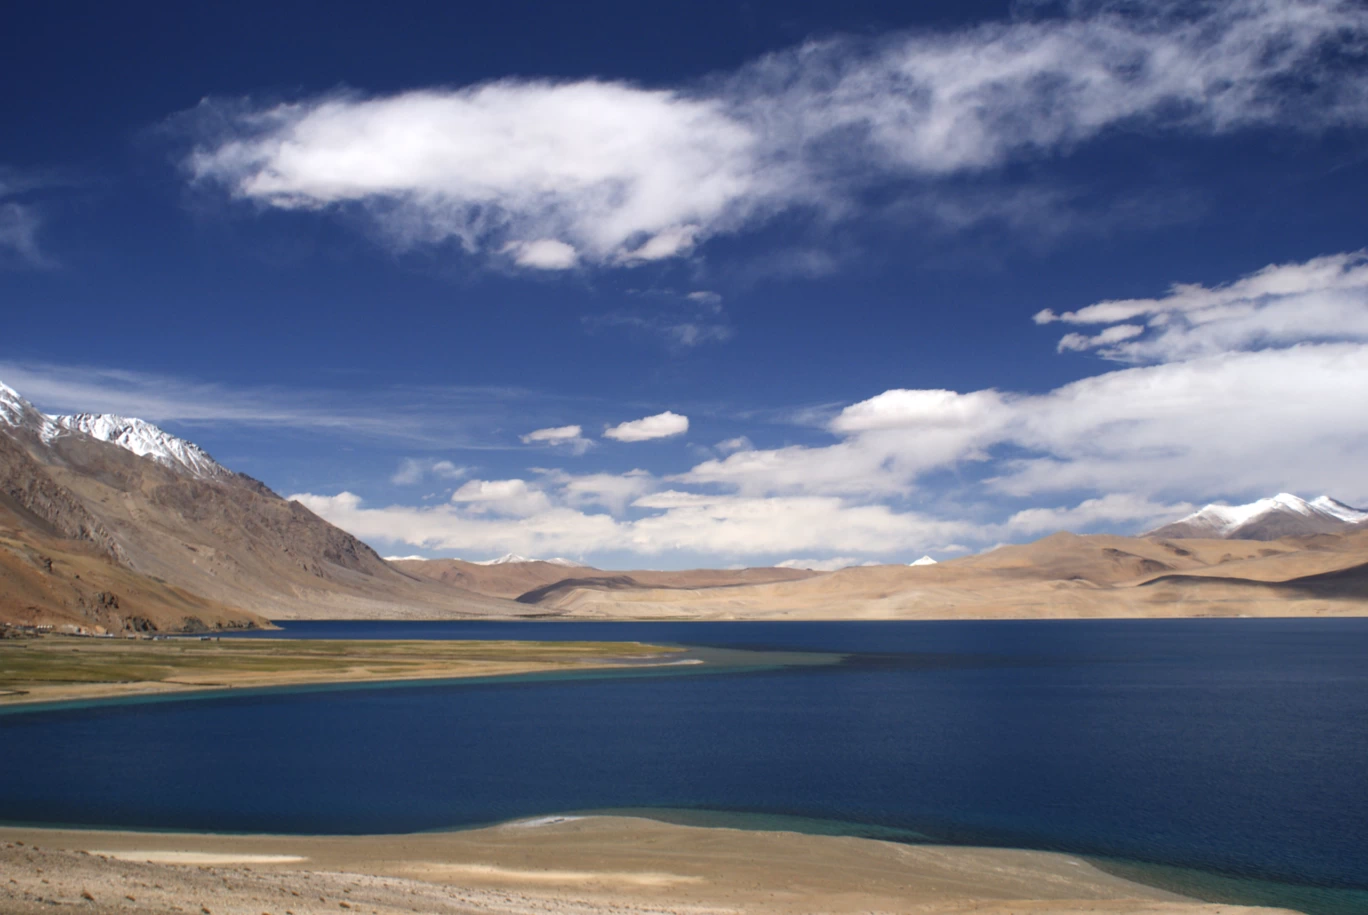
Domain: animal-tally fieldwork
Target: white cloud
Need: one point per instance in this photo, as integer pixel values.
(1243, 415)
(612, 172)
(1108, 337)
(604, 173)
(543, 254)
(740, 443)
(824, 565)
(1323, 299)
(21, 217)
(922, 410)
(1234, 414)
(661, 425)
(606, 490)
(501, 497)
(412, 471)
(19, 224)
(569, 437)
(1115, 510)
(678, 522)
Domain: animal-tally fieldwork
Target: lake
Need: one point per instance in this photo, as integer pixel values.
(1225, 757)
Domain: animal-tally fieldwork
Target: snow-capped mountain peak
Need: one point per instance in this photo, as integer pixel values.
(1339, 510)
(1283, 515)
(18, 412)
(924, 561)
(146, 440)
(135, 435)
(513, 558)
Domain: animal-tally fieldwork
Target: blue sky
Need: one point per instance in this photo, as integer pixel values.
(827, 282)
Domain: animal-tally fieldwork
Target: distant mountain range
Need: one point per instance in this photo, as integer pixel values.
(1283, 515)
(110, 524)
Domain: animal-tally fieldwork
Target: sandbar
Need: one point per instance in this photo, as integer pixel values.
(555, 866)
(65, 669)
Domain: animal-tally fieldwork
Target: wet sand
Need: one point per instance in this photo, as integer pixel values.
(556, 867)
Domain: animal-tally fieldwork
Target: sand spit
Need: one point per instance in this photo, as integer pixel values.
(563, 866)
(63, 669)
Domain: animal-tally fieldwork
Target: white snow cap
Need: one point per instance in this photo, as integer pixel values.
(18, 412)
(514, 558)
(135, 435)
(1222, 519)
(146, 440)
(924, 561)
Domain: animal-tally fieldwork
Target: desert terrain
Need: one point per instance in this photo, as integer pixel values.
(1063, 576)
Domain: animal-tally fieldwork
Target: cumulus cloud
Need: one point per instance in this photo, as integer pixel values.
(673, 522)
(606, 490)
(543, 254)
(661, 425)
(501, 497)
(557, 174)
(901, 409)
(1121, 450)
(568, 437)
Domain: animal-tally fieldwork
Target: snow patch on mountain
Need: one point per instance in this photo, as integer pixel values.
(135, 435)
(514, 558)
(924, 561)
(18, 412)
(1282, 515)
(146, 440)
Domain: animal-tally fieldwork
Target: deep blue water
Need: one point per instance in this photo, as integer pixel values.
(1231, 746)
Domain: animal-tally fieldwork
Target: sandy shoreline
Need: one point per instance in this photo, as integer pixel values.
(554, 865)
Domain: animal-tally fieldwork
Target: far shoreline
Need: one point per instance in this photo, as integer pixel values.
(194, 669)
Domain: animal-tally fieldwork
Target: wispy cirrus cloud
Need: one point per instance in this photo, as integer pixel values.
(412, 471)
(551, 175)
(1319, 300)
(469, 416)
(680, 322)
(21, 218)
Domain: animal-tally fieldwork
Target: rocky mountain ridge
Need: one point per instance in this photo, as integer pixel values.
(127, 503)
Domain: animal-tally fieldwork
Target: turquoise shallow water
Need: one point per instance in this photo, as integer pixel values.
(1228, 754)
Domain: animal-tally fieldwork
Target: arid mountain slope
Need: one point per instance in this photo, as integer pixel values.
(61, 566)
(1062, 576)
(531, 581)
(216, 535)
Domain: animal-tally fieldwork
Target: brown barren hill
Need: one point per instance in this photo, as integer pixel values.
(1061, 576)
(182, 531)
(534, 581)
